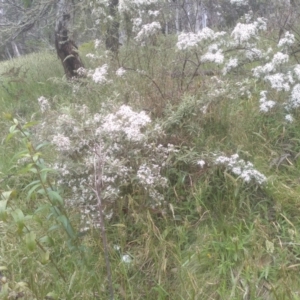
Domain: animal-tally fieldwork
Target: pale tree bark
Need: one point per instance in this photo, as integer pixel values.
(15, 49)
(66, 48)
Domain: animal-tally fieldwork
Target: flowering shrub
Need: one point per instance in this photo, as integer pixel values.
(133, 159)
(242, 169)
(241, 48)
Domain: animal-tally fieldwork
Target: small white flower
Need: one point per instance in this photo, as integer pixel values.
(289, 118)
(287, 40)
(126, 259)
(201, 163)
(61, 142)
(148, 30)
(97, 43)
(44, 104)
(120, 72)
(245, 170)
(99, 74)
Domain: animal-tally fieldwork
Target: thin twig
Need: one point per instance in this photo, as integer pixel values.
(98, 167)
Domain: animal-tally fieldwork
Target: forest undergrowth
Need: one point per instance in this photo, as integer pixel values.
(192, 145)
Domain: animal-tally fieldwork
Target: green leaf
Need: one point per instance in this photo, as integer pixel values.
(30, 124)
(54, 227)
(10, 136)
(42, 208)
(3, 211)
(32, 190)
(67, 226)
(47, 240)
(19, 218)
(45, 257)
(42, 145)
(36, 156)
(30, 240)
(55, 197)
(12, 129)
(9, 194)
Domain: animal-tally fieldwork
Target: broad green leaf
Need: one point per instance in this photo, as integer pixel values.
(47, 240)
(55, 197)
(8, 194)
(54, 227)
(31, 183)
(42, 145)
(42, 208)
(31, 191)
(20, 219)
(18, 215)
(33, 170)
(3, 212)
(67, 226)
(29, 147)
(55, 211)
(12, 129)
(10, 136)
(36, 156)
(45, 257)
(30, 124)
(30, 240)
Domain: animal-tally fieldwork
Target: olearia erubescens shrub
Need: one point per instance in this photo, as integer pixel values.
(132, 155)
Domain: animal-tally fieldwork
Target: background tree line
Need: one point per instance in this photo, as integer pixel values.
(31, 25)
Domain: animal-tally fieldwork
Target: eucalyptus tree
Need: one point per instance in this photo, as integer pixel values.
(65, 46)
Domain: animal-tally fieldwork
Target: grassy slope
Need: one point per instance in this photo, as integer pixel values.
(221, 245)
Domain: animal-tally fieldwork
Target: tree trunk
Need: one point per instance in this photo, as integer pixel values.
(66, 48)
(15, 49)
(112, 34)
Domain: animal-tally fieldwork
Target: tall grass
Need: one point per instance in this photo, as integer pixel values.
(219, 239)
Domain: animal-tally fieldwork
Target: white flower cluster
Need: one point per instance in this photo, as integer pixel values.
(265, 105)
(99, 74)
(120, 72)
(214, 55)
(231, 64)
(294, 100)
(242, 33)
(287, 40)
(125, 121)
(130, 155)
(191, 40)
(278, 82)
(242, 169)
(278, 59)
(149, 176)
(297, 71)
(253, 54)
(44, 104)
(61, 142)
(147, 31)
